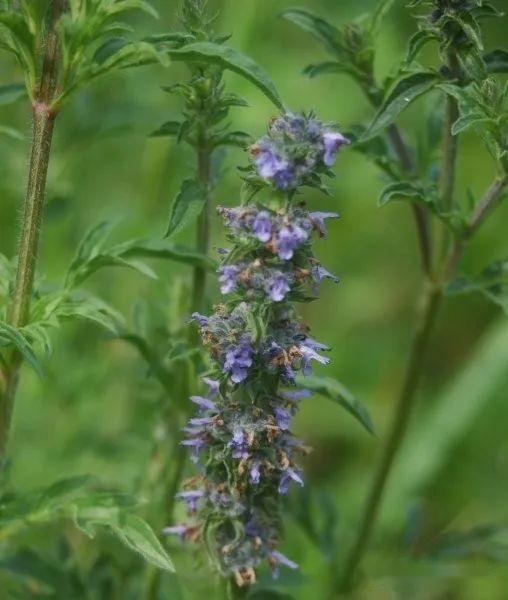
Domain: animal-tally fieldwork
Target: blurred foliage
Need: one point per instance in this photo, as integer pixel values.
(96, 412)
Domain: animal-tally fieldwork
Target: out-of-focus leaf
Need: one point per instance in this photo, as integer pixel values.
(325, 68)
(154, 248)
(321, 29)
(186, 207)
(12, 92)
(382, 9)
(417, 42)
(404, 91)
(486, 541)
(11, 132)
(169, 128)
(434, 436)
(227, 58)
(497, 61)
(266, 594)
(336, 391)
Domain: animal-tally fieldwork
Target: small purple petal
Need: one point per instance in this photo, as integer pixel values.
(262, 226)
(332, 141)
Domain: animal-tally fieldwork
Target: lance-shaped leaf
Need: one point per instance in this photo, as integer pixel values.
(186, 207)
(336, 391)
(227, 58)
(321, 29)
(10, 336)
(417, 42)
(169, 128)
(404, 91)
(155, 248)
(382, 9)
(401, 190)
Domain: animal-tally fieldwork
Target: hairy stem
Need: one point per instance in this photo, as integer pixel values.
(419, 214)
(203, 227)
(28, 247)
(431, 300)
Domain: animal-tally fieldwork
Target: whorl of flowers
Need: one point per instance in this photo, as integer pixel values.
(240, 436)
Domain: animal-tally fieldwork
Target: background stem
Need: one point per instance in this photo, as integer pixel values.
(28, 247)
(431, 299)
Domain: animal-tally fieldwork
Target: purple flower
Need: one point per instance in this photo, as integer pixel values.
(196, 445)
(204, 403)
(294, 396)
(228, 275)
(213, 386)
(283, 418)
(262, 226)
(201, 320)
(267, 160)
(287, 477)
(179, 530)
(191, 499)
(276, 559)
(284, 178)
(239, 444)
(200, 421)
(288, 239)
(308, 350)
(318, 220)
(277, 287)
(238, 360)
(332, 142)
(254, 472)
(319, 273)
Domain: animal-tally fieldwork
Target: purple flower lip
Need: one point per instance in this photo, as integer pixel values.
(318, 220)
(179, 530)
(332, 141)
(213, 386)
(238, 360)
(277, 558)
(262, 226)
(288, 476)
(201, 320)
(277, 287)
(228, 277)
(204, 403)
(319, 273)
(296, 395)
(288, 240)
(200, 421)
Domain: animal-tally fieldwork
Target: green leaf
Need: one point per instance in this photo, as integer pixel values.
(325, 68)
(404, 91)
(399, 191)
(10, 336)
(186, 207)
(497, 61)
(150, 248)
(137, 535)
(169, 128)
(11, 93)
(382, 9)
(336, 391)
(322, 30)
(227, 58)
(417, 42)
(12, 133)
(239, 139)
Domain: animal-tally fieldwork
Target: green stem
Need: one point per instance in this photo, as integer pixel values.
(28, 247)
(203, 227)
(431, 300)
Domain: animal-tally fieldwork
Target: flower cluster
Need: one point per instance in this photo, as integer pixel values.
(240, 437)
(296, 150)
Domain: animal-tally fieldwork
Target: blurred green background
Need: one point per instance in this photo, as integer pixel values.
(96, 411)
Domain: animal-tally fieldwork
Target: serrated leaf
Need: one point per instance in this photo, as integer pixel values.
(321, 29)
(186, 207)
(10, 336)
(404, 91)
(228, 58)
(336, 391)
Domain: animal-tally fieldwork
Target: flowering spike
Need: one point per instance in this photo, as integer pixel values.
(257, 343)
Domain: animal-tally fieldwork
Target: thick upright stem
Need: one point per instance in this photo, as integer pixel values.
(203, 228)
(43, 123)
(428, 311)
